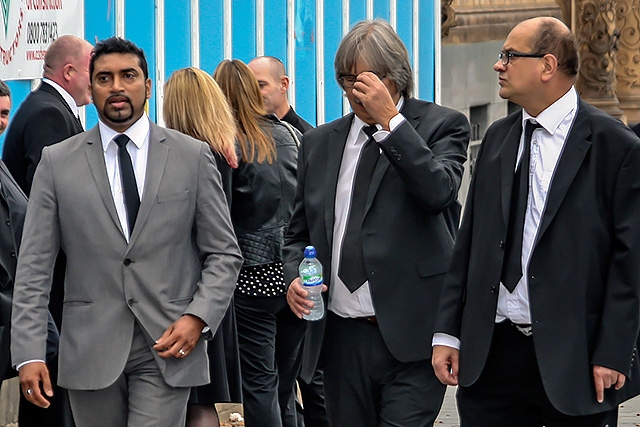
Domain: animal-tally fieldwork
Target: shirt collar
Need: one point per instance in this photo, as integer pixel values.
(552, 117)
(137, 132)
(65, 95)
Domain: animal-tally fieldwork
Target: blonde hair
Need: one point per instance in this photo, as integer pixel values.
(240, 85)
(195, 105)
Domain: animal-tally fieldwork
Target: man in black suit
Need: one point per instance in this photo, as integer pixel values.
(13, 206)
(47, 116)
(274, 83)
(50, 113)
(636, 129)
(542, 298)
(380, 223)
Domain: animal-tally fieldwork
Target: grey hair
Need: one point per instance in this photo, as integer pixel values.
(376, 44)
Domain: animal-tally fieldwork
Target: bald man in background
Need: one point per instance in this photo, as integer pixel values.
(274, 83)
(48, 115)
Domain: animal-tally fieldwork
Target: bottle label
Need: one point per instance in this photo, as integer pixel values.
(312, 280)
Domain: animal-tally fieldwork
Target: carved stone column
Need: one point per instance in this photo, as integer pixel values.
(628, 66)
(448, 17)
(597, 39)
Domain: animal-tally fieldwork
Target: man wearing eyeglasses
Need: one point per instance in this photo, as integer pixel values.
(540, 310)
(377, 197)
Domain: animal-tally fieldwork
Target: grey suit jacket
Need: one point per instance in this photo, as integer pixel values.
(182, 258)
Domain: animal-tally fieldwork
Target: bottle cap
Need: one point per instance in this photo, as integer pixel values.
(310, 252)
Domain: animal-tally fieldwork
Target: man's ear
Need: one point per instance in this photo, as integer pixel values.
(284, 83)
(67, 71)
(550, 66)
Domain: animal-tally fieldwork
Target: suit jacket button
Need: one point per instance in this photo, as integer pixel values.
(7, 223)
(13, 254)
(127, 261)
(493, 289)
(501, 244)
(131, 301)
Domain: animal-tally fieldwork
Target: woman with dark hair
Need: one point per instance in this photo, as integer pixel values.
(263, 189)
(195, 105)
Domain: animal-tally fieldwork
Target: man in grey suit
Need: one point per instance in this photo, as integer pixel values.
(152, 259)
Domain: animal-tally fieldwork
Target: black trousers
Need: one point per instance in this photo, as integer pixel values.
(365, 386)
(510, 392)
(269, 337)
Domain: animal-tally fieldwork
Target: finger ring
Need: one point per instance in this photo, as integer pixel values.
(181, 351)
(29, 391)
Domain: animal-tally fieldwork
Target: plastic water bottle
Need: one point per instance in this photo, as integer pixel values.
(311, 277)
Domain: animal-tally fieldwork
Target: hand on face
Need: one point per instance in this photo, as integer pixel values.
(375, 97)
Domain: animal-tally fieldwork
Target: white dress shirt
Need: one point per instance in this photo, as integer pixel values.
(547, 144)
(138, 150)
(341, 301)
(65, 95)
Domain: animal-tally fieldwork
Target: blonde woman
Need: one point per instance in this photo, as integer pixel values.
(263, 190)
(195, 105)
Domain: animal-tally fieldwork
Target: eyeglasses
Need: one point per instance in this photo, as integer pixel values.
(348, 80)
(505, 57)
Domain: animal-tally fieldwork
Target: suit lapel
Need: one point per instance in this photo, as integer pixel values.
(156, 161)
(575, 149)
(336, 141)
(95, 159)
(508, 154)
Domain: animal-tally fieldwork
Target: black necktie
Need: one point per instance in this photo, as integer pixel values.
(352, 271)
(512, 265)
(129, 187)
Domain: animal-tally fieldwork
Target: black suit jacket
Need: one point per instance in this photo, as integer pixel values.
(636, 129)
(16, 203)
(296, 121)
(407, 242)
(584, 274)
(44, 118)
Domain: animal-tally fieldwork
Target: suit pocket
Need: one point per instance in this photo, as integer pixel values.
(181, 300)
(173, 197)
(77, 302)
(434, 265)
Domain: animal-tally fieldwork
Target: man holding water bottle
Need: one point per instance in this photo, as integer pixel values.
(377, 197)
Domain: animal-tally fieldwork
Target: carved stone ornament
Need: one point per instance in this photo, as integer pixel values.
(448, 17)
(597, 39)
(628, 65)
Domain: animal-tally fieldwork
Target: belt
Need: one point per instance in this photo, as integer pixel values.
(371, 320)
(525, 329)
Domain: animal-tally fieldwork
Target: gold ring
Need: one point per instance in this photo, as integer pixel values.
(181, 351)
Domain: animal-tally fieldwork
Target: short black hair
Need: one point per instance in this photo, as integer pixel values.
(118, 45)
(4, 89)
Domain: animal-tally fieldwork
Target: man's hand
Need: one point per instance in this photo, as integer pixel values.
(445, 364)
(375, 97)
(605, 378)
(297, 298)
(31, 376)
(180, 337)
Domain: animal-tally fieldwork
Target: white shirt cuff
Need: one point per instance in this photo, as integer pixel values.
(20, 365)
(447, 340)
(382, 134)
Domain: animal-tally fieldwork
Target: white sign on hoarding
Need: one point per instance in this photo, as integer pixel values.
(27, 27)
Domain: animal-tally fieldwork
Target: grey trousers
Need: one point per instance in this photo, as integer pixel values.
(138, 398)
